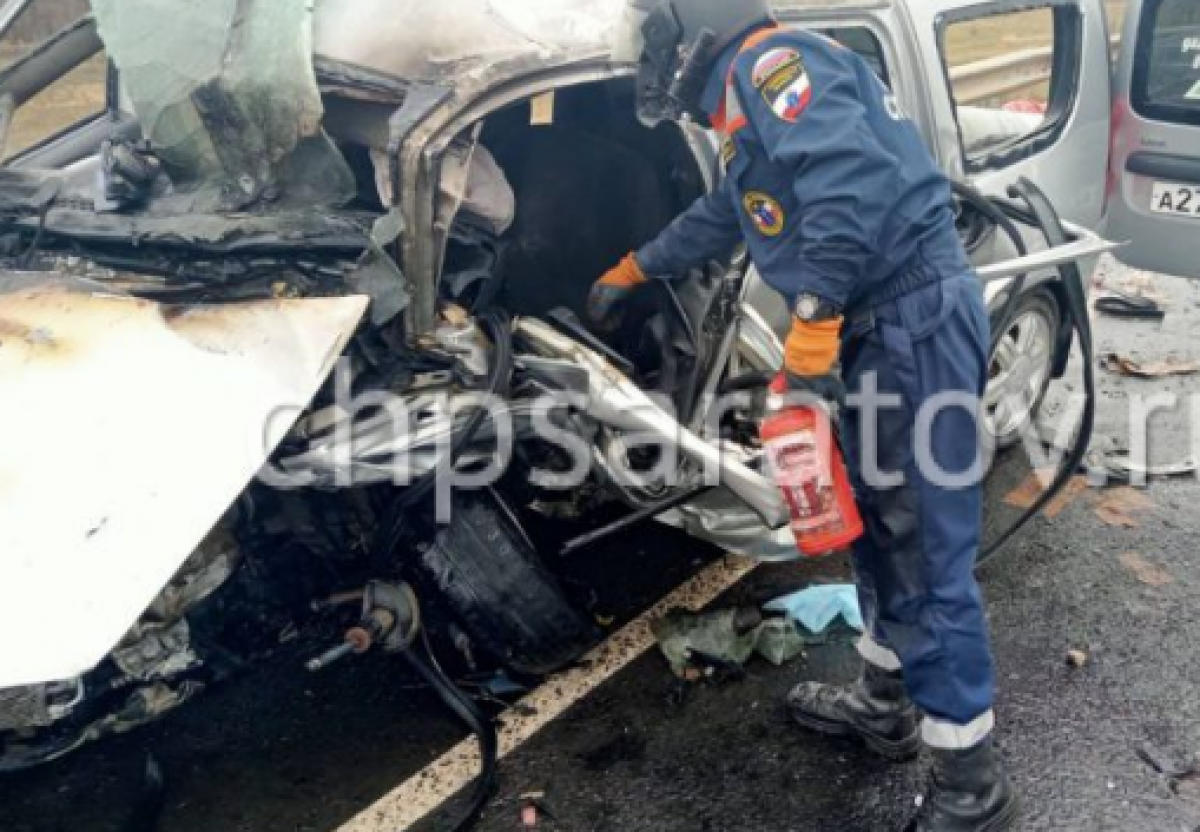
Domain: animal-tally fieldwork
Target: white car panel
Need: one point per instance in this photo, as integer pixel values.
(128, 426)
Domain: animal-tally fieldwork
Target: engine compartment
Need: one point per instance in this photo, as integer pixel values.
(586, 189)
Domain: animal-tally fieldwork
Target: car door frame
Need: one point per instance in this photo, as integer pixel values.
(1068, 161)
(40, 68)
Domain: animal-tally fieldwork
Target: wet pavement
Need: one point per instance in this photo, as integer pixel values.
(1115, 575)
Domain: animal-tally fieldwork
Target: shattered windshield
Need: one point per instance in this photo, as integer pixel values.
(226, 93)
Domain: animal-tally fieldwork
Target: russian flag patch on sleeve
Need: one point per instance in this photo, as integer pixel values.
(783, 81)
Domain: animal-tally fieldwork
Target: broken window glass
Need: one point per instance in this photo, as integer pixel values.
(226, 93)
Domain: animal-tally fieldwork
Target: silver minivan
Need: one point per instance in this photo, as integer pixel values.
(1154, 179)
(190, 328)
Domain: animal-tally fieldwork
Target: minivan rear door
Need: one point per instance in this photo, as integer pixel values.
(1154, 198)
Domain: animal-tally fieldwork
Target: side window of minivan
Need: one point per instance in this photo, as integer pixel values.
(79, 95)
(1013, 74)
(1166, 77)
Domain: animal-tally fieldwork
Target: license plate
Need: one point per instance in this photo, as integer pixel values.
(1177, 200)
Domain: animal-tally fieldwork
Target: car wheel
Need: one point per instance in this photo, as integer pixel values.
(487, 572)
(1021, 367)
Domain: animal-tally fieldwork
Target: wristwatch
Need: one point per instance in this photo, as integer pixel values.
(812, 308)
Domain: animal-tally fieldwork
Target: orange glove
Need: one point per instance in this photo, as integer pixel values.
(812, 348)
(613, 289)
(809, 356)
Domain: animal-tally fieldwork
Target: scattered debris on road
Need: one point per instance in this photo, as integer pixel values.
(1077, 658)
(1118, 507)
(1132, 284)
(1150, 574)
(713, 646)
(779, 641)
(1125, 366)
(1026, 495)
(720, 637)
(1166, 762)
(1117, 467)
(1133, 307)
(533, 809)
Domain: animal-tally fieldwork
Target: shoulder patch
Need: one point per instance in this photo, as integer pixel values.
(771, 62)
(766, 213)
(787, 90)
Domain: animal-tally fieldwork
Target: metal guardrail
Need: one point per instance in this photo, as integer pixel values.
(987, 82)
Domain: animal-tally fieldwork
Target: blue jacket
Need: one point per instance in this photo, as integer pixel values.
(828, 182)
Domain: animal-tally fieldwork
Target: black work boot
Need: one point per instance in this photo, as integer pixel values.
(876, 709)
(971, 793)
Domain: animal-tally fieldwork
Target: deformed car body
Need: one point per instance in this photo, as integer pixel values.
(423, 210)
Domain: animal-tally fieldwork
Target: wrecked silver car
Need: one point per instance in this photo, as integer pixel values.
(299, 315)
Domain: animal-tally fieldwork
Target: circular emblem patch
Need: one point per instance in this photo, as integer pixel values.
(766, 212)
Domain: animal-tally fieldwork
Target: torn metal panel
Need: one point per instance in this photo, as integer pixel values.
(130, 426)
(159, 645)
(226, 92)
(158, 654)
(614, 400)
(723, 520)
(377, 274)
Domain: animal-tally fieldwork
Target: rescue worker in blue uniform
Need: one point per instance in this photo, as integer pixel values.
(845, 213)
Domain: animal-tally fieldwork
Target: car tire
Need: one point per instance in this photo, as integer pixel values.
(488, 574)
(1021, 367)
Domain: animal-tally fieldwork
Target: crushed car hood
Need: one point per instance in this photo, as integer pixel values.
(129, 428)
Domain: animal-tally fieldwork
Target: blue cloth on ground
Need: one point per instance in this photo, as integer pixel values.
(818, 606)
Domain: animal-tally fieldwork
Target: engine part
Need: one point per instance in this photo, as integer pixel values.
(489, 575)
(459, 335)
(618, 402)
(391, 620)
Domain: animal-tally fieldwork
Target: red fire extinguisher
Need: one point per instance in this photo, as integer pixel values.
(804, 459)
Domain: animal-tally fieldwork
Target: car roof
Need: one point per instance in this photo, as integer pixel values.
(471, 43)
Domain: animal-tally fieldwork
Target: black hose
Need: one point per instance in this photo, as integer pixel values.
(147, 812)
(1077, 312)
(480, 725)
(499, 328)
(747, 381)
(990, 209)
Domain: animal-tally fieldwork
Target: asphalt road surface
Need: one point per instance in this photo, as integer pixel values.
(1115, 575)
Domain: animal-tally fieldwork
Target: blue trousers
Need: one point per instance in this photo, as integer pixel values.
(914, 567)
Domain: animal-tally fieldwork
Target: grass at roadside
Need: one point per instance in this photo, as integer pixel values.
(1004, 34)
(77, 95)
